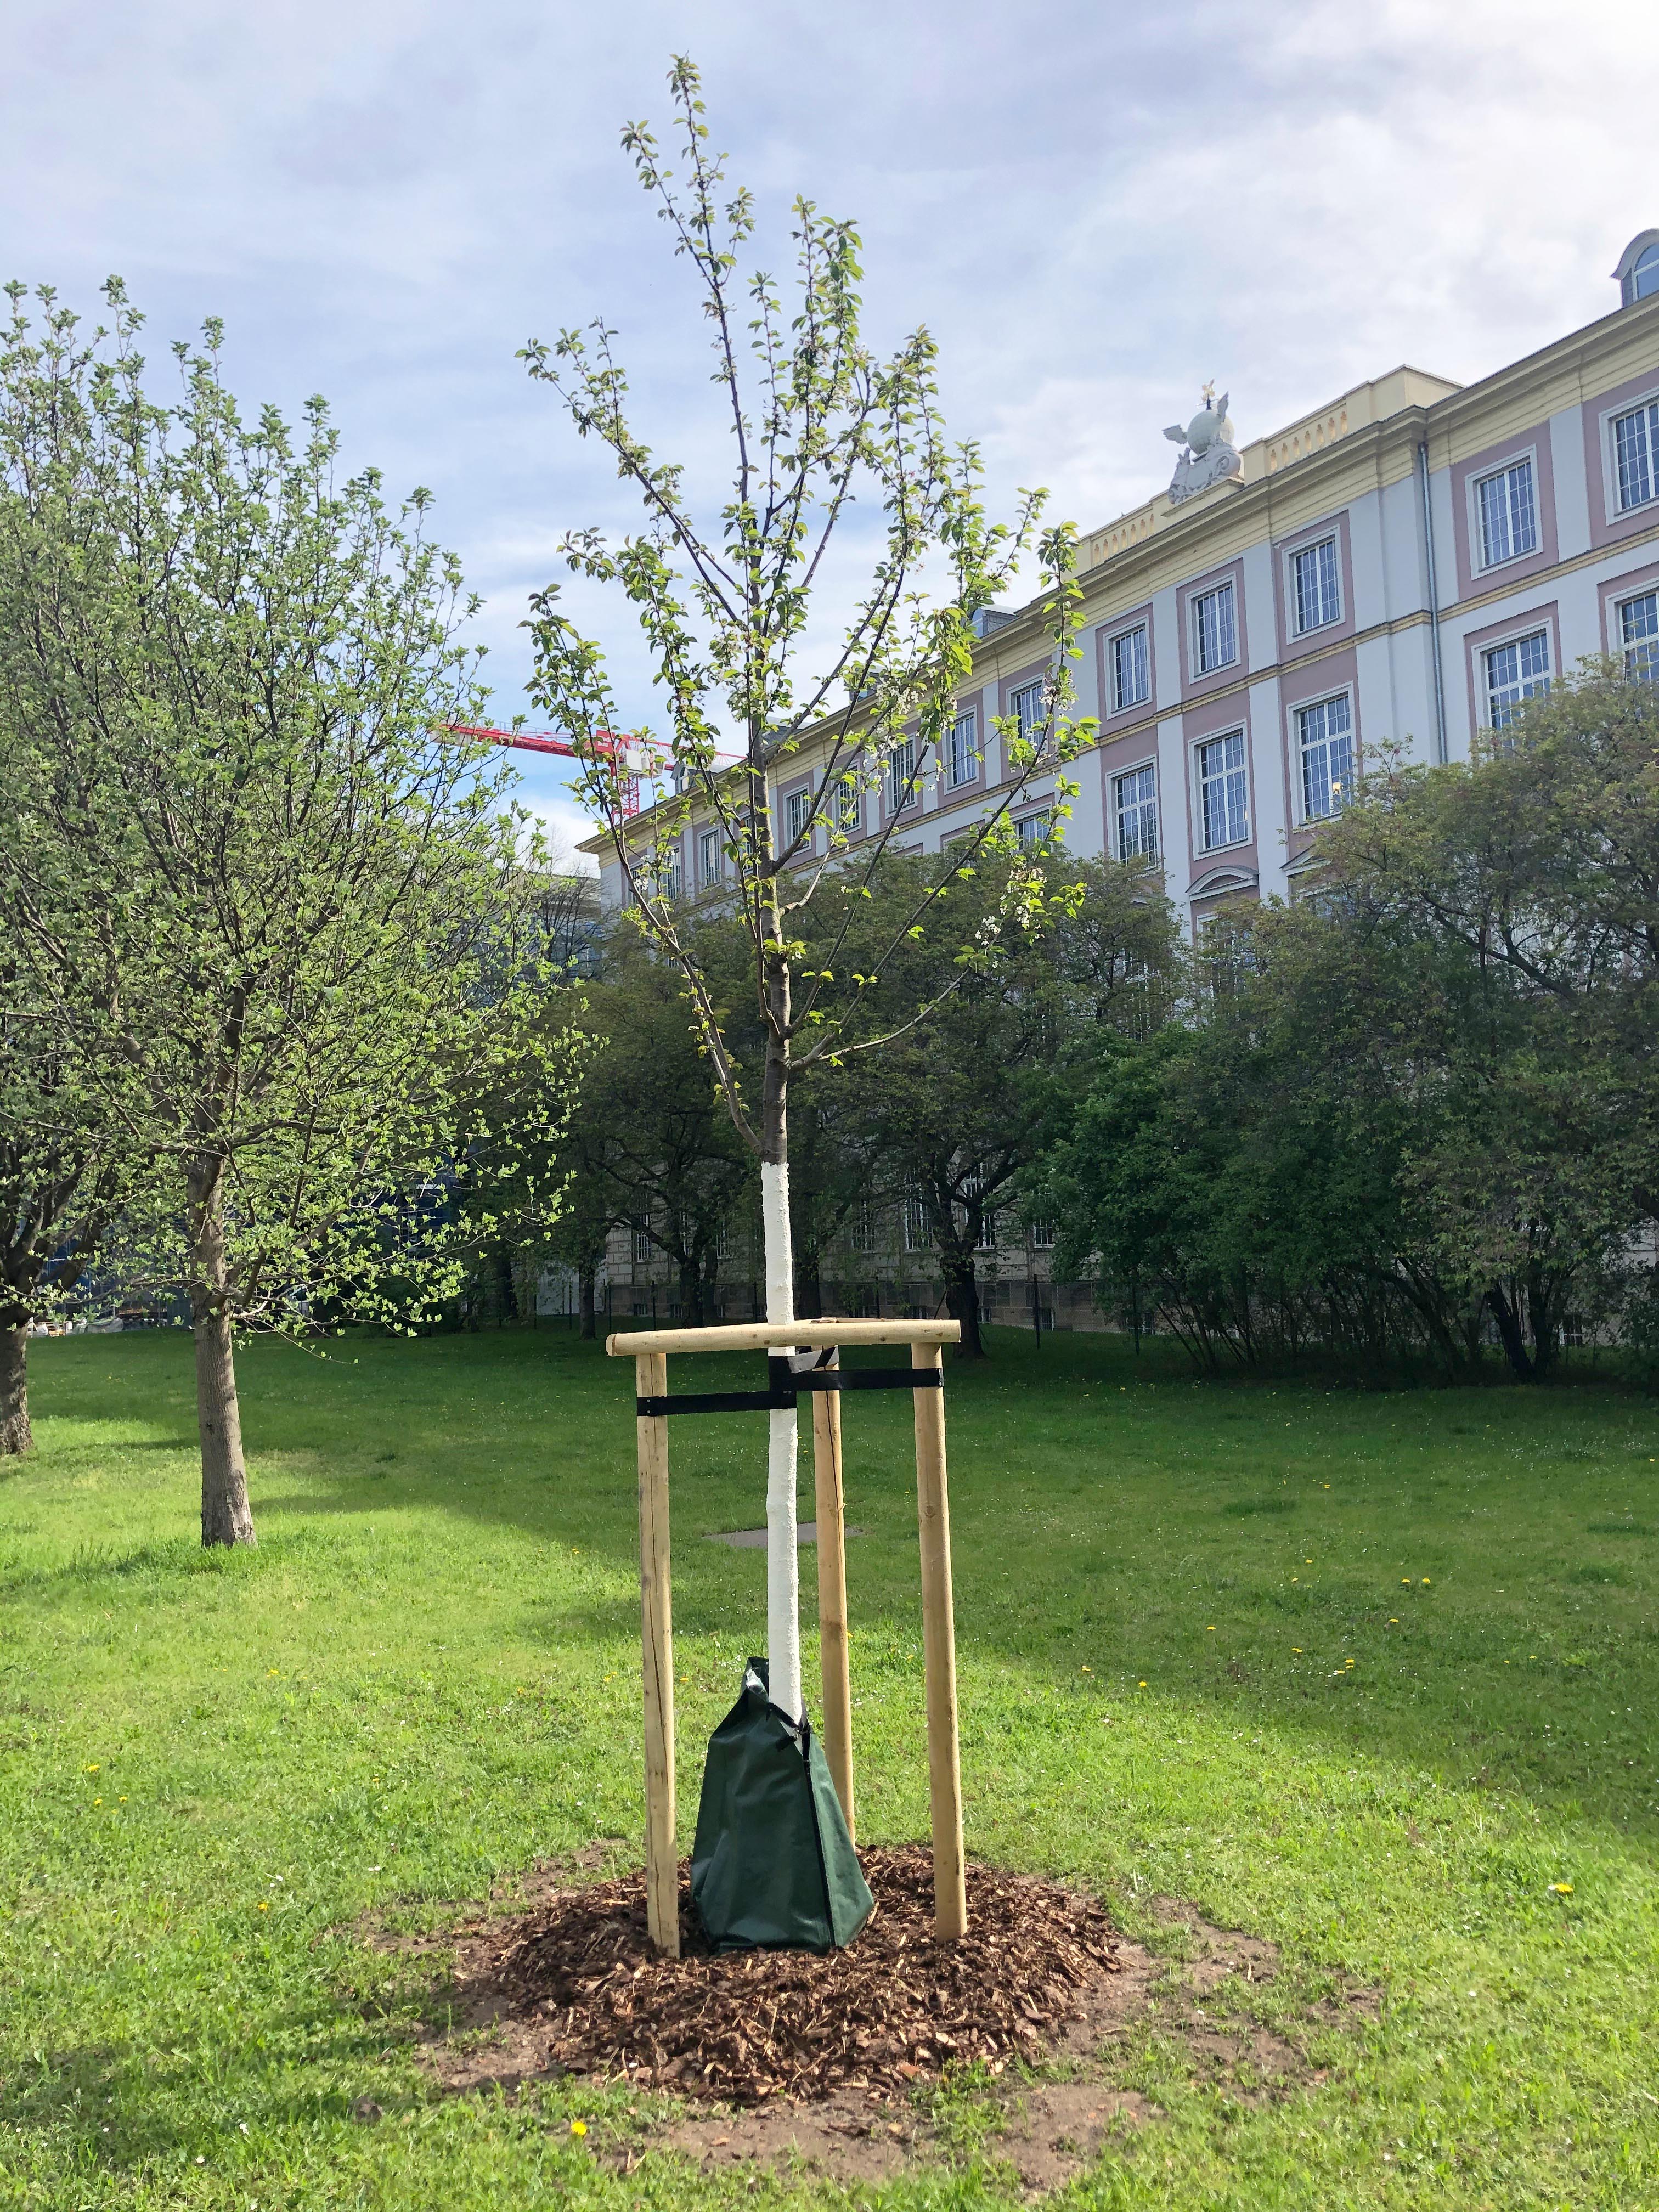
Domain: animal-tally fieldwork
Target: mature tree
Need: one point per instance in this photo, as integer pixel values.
(1424, 1101)
(956, 1111)
(1540, 858)
(1240, 1177)
(1535, 868)
(820, 428)
(652, 1146)
(274, 918)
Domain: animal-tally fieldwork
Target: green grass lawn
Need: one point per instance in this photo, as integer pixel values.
(1368, 1675)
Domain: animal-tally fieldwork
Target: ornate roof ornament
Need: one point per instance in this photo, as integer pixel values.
(1208, 455)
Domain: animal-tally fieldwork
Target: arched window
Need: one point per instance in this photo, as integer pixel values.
(1637, 273)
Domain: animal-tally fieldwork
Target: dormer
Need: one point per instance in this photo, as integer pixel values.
(1637, 273)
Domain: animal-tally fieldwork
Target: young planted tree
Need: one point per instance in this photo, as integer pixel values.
(821, 430)
(274, 923)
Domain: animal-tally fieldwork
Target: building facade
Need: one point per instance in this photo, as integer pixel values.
(1406, 565)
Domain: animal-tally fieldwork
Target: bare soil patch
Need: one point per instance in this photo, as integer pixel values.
(788, 2058)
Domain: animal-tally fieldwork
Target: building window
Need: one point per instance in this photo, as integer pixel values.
(1325, 733)
(1033, 831)
(1641, 279)
(1135, 796)
(901, 776)
(849, 806)
(709, 857)
(641, 1244)
(961, 748)
(1508, 514)
(798, 814)
(1131, 682)
(1636, 452)
(1215, 630)
(1638, 634)
(861, 1228)
(1042, 1236)
(670, 876)
(973, 1191)
(1223, 795)
(1516, 672)
(1314, 582)
(916, 1237)
(1029, 706)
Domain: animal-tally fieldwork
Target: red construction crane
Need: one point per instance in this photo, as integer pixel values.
(627, 753)
(629, 757)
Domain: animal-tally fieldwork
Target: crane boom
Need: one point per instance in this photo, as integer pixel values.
(625, 753)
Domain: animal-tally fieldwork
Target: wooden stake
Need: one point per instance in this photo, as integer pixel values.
(662, 1873)
(832, 1594)
(938, 1639)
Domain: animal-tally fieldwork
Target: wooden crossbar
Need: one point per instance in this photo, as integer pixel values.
(758, 1335)
(649, 1348)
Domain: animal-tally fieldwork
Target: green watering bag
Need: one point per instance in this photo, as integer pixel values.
(773, 1862)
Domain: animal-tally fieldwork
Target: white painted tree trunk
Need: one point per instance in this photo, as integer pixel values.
(782, 1562)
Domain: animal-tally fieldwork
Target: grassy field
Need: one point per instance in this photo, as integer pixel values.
(1372, 1676)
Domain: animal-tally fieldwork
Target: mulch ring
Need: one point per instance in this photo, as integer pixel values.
(751, 2024)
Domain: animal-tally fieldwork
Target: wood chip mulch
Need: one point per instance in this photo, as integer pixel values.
(751, 2024)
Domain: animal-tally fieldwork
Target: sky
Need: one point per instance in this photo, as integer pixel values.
(1094, 208)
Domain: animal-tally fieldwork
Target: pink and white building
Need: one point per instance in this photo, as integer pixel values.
(1407, 563)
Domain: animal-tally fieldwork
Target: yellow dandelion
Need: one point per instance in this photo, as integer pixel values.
(1393, 1620)
(97, 1801)
(1141, 1685)
(1209, 1628)
(265, 1904)
(579, 2127)
(1425, 1581)
(1562, 1888)
(93, 1769)
(1296, 1650)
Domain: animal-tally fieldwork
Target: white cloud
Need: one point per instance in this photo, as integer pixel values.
(1093, 209)
(562, 823)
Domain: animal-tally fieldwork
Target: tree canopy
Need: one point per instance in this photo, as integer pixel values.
(274, 920)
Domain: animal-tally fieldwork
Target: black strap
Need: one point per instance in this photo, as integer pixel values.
(784, 1383)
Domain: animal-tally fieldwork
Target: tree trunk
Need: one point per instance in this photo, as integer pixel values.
(1546, 1304)
(1508, 1328)
(809, 1287)
(782, 1559)
(507, 1294)
(585, 1301)
(14, 1432)
(226, 1517)
(691, 1291)
(961, 1301)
